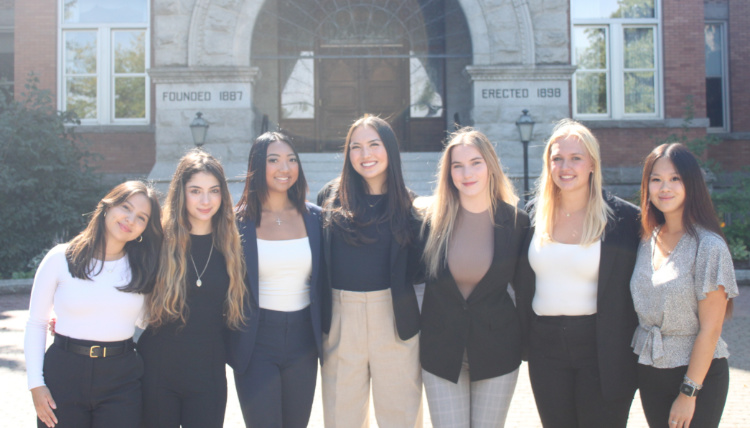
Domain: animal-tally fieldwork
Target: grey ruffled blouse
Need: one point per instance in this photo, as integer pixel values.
(666, 299)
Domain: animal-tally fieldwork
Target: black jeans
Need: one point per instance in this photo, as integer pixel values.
(564, 374)
(94, 392)
(278, 387)
(660, 387)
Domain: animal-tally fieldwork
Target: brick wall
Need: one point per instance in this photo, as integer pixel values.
(36, 43)
(739, 65)
(733, 155)
(132, 154)
(684, 56)
(628, 147)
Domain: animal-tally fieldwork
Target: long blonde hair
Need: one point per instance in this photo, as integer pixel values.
(442, 212)
(547, 193)
(167, 302)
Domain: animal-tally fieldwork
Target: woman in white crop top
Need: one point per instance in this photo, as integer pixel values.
(275, 355)
(577, 310)
(90, 376)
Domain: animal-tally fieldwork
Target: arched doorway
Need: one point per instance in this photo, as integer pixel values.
(325, 62)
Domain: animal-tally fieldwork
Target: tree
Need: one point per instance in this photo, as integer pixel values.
(46, 181)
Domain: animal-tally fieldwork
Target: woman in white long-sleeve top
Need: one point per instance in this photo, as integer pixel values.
(682, 288)
(95, 284)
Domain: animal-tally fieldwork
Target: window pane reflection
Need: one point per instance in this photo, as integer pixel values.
(298, 95)
(639, 48)
(130, 97)
(81, 96)
(80, 52)
(591, 93)
(130, 51)
(590, 47)
(639, 92)
(612, 9)
(105, 11)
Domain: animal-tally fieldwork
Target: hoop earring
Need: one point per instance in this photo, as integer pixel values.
(140, 238)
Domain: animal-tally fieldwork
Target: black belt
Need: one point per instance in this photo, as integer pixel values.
(93, 349)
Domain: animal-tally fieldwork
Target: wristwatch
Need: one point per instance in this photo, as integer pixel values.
(689, 390)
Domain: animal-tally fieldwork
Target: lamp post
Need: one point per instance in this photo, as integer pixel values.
(199, 127)
(525, 126)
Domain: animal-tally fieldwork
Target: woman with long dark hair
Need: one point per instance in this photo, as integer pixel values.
(199, 292)
(275, 355)
(95, 284)
(576, 306)
(371, 317)
(470, 342)
(682, 288)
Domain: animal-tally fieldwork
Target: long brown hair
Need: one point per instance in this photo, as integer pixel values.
(698, 208)
(86, 251)
(167, 302)
(347, 203)
(256, 188)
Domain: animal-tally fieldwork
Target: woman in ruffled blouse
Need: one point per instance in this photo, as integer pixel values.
(682, 286)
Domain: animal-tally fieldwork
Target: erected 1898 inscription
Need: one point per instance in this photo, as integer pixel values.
(522, 93)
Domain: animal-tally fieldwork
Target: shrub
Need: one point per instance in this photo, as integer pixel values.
(46, 182)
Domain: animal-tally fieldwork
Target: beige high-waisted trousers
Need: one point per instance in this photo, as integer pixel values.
(362, 345)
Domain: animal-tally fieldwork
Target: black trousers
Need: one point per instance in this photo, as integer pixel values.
(184, 383)
(660, 387)
(564, 374)
(93, 392)
(278, 387)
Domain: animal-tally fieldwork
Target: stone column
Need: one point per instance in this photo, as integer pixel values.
(501, 92)
(224, 96)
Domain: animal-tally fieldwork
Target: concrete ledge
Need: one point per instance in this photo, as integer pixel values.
(743, 276)
(12, 286)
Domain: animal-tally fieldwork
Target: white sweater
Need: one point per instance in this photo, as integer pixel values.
(85, 309)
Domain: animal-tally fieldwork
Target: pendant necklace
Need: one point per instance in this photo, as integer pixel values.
(199, 282)
(278, 221)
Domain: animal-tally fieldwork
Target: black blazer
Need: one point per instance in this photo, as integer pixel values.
(405, 272)
(242, 342)
(616, 319)
(486, 324)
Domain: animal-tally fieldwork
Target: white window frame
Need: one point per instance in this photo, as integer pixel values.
(616, 71)
(726, 93)
(105, 58)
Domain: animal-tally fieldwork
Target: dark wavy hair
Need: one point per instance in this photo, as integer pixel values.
(347, 203)
(143, 255)
(256, 187)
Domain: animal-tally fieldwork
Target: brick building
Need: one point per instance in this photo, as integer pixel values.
(137, 71)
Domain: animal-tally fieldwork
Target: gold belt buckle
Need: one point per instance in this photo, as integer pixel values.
(91, 351)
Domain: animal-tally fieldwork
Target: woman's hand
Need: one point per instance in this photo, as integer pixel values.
(44, 404)
(682, 411)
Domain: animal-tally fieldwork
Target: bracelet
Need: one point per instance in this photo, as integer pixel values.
(690, 382)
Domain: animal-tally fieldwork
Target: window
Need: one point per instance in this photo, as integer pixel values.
(104, 57)
(616, 51)
(717, 93)
(6, 64)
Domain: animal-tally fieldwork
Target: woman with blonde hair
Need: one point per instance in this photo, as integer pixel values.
(199, 292)
(95, 284)
(470, 343)
(577, 307)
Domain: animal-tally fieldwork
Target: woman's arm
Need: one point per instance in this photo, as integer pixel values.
(711, 311)
(35, 339)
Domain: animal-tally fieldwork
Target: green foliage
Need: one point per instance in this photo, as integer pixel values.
(733, 207)
(46, 182)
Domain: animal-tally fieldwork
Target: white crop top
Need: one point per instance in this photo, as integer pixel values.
(85, 309)
(284, 269)
(566, 277)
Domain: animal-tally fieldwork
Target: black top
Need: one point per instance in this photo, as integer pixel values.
(204, 304)
(364, 267)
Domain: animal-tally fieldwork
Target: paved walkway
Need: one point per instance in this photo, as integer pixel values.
(17, 411)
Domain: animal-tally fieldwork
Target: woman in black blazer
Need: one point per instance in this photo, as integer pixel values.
(576, 308)
(275, 355)
(470, 344)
